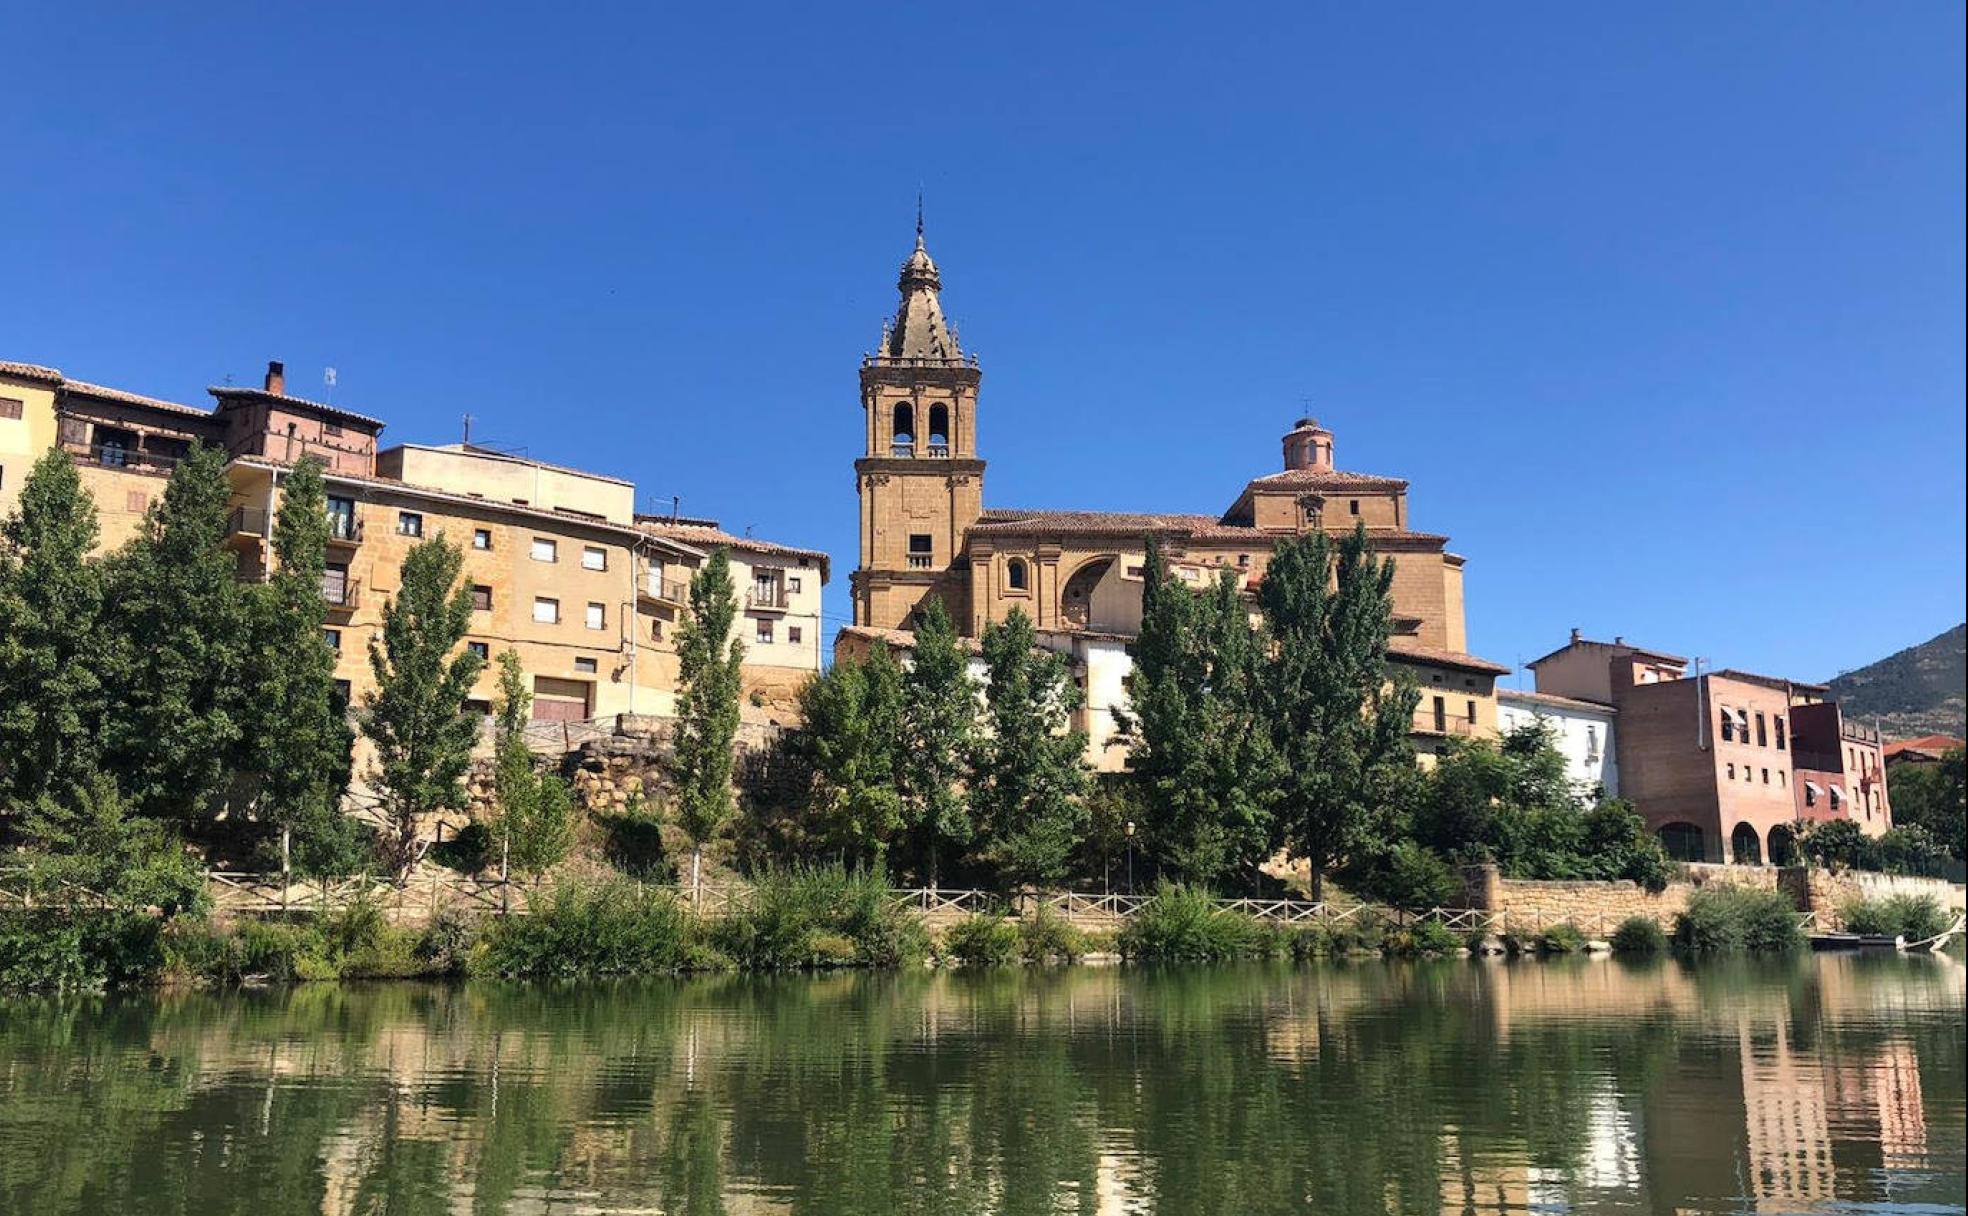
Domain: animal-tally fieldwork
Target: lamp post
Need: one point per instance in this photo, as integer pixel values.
(1130, 852)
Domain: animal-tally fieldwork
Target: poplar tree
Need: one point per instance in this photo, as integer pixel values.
(1030, 776)
(1198, 744)
(176, 641)
(416, 715)
(709, 659)
(853, 739)
(1339, 725)
(533, 827)
(297, 742)
(939, 735)
(51, 595)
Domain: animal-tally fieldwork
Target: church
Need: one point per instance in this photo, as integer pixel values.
(925, 532)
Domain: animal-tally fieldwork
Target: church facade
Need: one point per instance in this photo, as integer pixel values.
(925, 532)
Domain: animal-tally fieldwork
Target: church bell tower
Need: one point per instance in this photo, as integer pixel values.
(919, 478)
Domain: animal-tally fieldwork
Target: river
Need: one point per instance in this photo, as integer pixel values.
(1815, 1084)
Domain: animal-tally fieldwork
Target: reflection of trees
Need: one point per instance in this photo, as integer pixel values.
(1378, 1087)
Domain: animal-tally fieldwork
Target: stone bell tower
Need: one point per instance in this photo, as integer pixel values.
(919, 478)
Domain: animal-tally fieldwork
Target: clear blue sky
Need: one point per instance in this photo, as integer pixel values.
(1661, 309)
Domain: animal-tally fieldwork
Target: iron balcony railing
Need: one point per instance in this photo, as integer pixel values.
(1445, 724)
(247, 521)
(342, 594)
(121, 456)
(667, 590)
(769, 599)
(345, 528)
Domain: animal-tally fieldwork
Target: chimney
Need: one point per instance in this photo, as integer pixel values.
(1619, 640)
(276, 378)
(1577, 637)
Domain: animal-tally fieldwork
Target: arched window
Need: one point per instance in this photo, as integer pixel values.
(1683, 842)
(1015, 574)
(903, 440)
(1745, 848)
(939, 430)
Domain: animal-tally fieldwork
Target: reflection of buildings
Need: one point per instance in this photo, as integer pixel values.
(1787, 1118)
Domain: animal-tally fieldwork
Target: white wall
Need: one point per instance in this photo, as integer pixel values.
(1585, 737)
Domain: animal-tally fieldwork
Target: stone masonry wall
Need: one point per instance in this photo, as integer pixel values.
(1826, 892)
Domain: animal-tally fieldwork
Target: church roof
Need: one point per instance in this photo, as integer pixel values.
(1005, 522)
(1324, 479)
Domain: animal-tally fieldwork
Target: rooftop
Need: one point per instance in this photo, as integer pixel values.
(230, 392)
(1934, 745)
(1553, 700)
(1406, 648)
(706, 534)
(1776, 682)
(1616, 644)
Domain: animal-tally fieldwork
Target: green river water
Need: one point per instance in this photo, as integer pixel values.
(1815, 1084)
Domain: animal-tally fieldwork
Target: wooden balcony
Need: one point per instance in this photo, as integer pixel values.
(767, 599)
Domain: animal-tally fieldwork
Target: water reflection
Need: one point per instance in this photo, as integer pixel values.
(1813, 1085)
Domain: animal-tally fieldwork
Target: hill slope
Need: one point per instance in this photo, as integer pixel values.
(1922, 690)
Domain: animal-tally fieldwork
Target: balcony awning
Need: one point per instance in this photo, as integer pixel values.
(1838, 792)
(1811, 787)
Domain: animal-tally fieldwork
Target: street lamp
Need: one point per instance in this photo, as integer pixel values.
(1130, 851)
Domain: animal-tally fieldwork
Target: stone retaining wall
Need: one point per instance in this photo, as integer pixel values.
(1826, 892)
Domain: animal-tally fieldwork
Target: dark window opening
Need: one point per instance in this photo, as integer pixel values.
(902, 441)
(1015, 575)
(939, 430)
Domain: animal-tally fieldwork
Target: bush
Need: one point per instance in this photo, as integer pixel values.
(633, 842)
(1423, 937)
(1045, 936)
(1561, 939)
(1639, 935)
(982, 940)
(1409, 876)
(446, 943)
(1910, 916)
(613, 928)
(1183, 924)
(1361, 933)
(66, 950)
(1728, 918)
(790, 911)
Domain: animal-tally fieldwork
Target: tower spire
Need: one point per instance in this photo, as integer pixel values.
(919, 331)
(919, 218)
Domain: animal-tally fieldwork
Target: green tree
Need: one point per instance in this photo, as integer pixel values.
(1030, 774)
(1339, 722)
(1933, 797)
(176, 647)
(853, 740)
(51, 690)
(297, 743)
(1199, 745)
(939, 735)
(87, 836)
(533, 827)
(709, 661)
(416, 714)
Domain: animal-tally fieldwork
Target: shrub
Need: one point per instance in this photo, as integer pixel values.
(1362, 933)
(633, 841)
(1312, 941)
(1639, 935)
(1423, 937)
(65, 950)
(613, 928)
(982, 940)
(780, 926)
(1410, 876)
(1561, 939)
(1737, 918)
(1910, 916)
(446, 943)
(1183, 924)
(1045, 935)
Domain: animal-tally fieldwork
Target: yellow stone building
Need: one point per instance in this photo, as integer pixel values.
(561, 566)
(925, 531)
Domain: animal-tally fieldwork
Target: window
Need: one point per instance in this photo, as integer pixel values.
(921, 550)
(1441, 709)
(545, 550)
(481, 538)
(479, 706)
(481, 598)
(1015, 575)
(331, 428)
(1732, 772)
(482, 649)
(1835, 800)
(1591, 743)
(764, 632)
(1780, 734)
(1766, 776)
(597, 616)
(1472, 713)
(10, 407)
(341, 519)
(546, 611)
(939, 430)
(585, 666)
(656, 629)
(1762, 738)
(1728, 726)
(409, 523)
(593, 558)
(136, 502)
(1353, 507)
(794, 633)
(1780, 777)
(903, 441)
(792, 584)
(1810, 794)
(334, 639)
(343, 691)
(1742, 726)
(1243, 561)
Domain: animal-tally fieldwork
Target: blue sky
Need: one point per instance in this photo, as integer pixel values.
(1660, 309)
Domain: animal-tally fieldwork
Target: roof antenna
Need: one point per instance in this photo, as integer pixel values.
(328, 376)
(468, 422)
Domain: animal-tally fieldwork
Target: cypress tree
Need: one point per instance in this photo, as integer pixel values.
(416, 714)
(533, 827)
(939, 734)
(1030, 776)
(176, 647)
(297, 742)
(1339, 726)
(51, 595)
(709, 659)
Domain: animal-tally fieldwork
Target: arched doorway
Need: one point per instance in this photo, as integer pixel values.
(1745, 846)
(1783, 845)
(1076, 600)
(1683, 842)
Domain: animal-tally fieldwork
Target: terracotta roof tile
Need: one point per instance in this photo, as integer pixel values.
(1001, 522)
(226, 391)
(707, 535)
(1553, 699)
(1937, 744)
(104, 393)
(31, 371)
(1404, 648)
(1326, 479)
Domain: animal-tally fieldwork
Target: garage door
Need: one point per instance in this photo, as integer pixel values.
(560, 700)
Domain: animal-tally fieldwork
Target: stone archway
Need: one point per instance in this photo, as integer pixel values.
(1076, 596)
(1783, 845)
(1745, 846)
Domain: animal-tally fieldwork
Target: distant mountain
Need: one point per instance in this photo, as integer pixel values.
(1922, 690)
